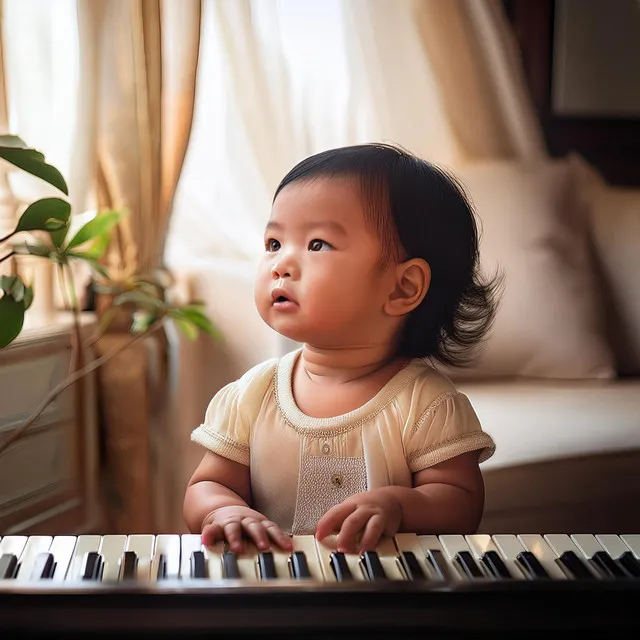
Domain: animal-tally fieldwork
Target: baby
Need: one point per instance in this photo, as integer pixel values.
(371, 263)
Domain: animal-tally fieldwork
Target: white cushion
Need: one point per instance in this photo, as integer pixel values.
(536, 420)
(549, 323)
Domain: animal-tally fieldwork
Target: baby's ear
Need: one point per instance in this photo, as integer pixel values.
(413, 278)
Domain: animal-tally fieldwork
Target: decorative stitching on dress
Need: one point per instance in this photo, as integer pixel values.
(226, 440)
(431, 408)
(330, 431)
(480, 436)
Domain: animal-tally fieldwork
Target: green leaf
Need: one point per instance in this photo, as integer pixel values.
(17, 290)
(95, 251)
(140, 299)
(11, 319)
(42, 250)
(28, 297)
(196, 315)
(98, 226)
(40, 215)
(189, 330)
(142, 320)
(33, 162)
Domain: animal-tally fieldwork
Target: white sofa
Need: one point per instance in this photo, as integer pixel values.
(568, 454)
(558, 385)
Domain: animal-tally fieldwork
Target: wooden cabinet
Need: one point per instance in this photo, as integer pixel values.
(49, 476)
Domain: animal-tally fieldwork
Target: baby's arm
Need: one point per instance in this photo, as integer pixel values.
(216, 504)
(446, 498)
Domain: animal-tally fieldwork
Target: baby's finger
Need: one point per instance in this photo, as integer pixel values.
(350, 529)
(332, 520)
(278, 535)
(256, 531)
(233, 535)
(211, 533)
(373, 530)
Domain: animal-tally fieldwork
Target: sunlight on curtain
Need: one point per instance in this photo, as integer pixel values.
(42, 64)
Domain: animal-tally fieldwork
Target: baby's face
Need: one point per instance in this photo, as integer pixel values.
(320, 280)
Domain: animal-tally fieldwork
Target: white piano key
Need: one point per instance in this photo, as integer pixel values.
(561, 542)
(62, 548)
(84, 545)
(587, 544)
(410, 542)
(430, 543)
(632, 541)
(307, 545)
(248, 563)
(388, 555)
(189, 542)
(143, 546)
(34, 546)
(13, 544)
(111, 550)
(509, 546)
(546, 556)
(452, 545)
(167, 545)
(325, 548)
(213, 558)
(481, 543)
(612, 544)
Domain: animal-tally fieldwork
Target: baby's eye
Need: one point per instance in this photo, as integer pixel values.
(272, 244)
(317, 245)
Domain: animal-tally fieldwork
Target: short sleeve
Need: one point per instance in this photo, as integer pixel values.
(226, 429)
(446, 428)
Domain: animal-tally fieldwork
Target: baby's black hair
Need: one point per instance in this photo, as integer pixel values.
(419, 210)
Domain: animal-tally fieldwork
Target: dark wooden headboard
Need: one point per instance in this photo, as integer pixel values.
(611, 144)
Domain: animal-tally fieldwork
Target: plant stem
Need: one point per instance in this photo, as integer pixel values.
(55, 392)
(9, 255)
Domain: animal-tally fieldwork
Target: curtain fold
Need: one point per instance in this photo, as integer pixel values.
(148, 55)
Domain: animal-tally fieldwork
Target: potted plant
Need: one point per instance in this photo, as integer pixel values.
(43, 231)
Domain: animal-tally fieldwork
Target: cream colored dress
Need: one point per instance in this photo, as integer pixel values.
(301, 466)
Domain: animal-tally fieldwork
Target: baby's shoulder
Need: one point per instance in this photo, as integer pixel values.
(428, 386)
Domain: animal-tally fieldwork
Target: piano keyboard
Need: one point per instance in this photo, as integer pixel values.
(405, 576)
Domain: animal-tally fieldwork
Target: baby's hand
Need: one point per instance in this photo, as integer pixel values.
(371, 514)
(230, 523)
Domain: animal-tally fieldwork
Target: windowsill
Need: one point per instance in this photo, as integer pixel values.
(38, 327)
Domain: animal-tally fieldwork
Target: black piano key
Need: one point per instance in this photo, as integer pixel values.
(92, 569)
(411, 566)
(570, 561)
(470, 569)
(606, 565)
(266, 566)
(494, 563)
(299, 565)
(129, 565)
(340, 567)
(439, 564)
(43, 566)
(198, 565)
(372, 566)
(627, 560)
(531, 565)
(162, 567)
(8, 566)
(230, 569)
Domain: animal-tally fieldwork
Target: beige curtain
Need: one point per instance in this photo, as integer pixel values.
(477, 64)
(145, 56)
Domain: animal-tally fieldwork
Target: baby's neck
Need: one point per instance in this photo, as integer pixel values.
(344, 365)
